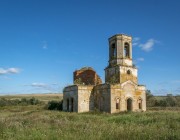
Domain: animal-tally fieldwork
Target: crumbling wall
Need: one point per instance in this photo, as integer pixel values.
(102, 97)
(86, 76)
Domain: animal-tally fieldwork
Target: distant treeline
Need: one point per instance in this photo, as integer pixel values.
(151, 101)
(51, 105)
(162, 101)
(23, 101)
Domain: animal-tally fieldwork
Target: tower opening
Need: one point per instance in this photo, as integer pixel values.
(126, 50)
(129, 104)
(113, 50)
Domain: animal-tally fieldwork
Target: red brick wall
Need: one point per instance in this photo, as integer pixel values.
(87, 76)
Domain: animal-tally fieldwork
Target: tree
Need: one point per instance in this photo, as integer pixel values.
(78, 81)
(150, 99)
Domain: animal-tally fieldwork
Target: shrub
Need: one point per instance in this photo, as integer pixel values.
(33, 101)
(171, 101)
(23, 101)
(166, 101)
(78, 81)
(55, 105)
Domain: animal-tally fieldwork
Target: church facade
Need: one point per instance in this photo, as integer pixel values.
(120, 92)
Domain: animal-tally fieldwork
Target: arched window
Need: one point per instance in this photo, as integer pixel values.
(126, 50)
(128, 72)
(117, 103)
(140, 103)
(113, 50)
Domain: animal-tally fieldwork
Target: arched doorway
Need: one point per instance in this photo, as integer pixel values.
(129, 104)
(67, 104)
(72, 104)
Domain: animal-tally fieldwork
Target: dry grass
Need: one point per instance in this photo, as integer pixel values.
(41, 97)
(33, 122)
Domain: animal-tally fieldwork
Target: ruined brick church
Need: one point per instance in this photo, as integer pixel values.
(120, 92)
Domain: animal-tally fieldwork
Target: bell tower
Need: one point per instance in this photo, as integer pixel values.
(120, 68)
(120, 50)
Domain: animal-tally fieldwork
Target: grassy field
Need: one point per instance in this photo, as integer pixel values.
(41, 97)
(33, 122)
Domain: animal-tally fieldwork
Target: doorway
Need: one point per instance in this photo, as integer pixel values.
(67, 104)
(129, 104)
(72, 104)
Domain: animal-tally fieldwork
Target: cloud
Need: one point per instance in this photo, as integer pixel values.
(175, 81)
(163, 91)
(160, 92)
(148, 46)
(140, 59)
(54, 84)
(168, 87)
(13, 70)
(9, 71)
(44, 45)
(39, 85)
(6, 78)
(177, 90)
(136, 41)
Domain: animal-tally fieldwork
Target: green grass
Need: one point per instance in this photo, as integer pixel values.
(35, 123)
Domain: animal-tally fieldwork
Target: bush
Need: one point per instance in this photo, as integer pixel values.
(55, 105)
(150, 99)
(34, 101)
(23, 101)
(165, 101)
(171, 101)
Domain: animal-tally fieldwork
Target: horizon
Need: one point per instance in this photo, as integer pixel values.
(43, 42)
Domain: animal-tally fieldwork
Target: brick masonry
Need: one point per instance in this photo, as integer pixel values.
(87, 76)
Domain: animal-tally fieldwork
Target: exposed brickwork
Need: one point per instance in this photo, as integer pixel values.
(87, 76)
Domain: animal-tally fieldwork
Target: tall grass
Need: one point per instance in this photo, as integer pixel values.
(35, 123)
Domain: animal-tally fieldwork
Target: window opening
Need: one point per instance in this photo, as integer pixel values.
(126, 50)
(128, 72)
(117, 103)
(140, 104)
(113, 50)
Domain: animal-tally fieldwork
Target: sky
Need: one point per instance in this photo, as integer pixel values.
(43, 41)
